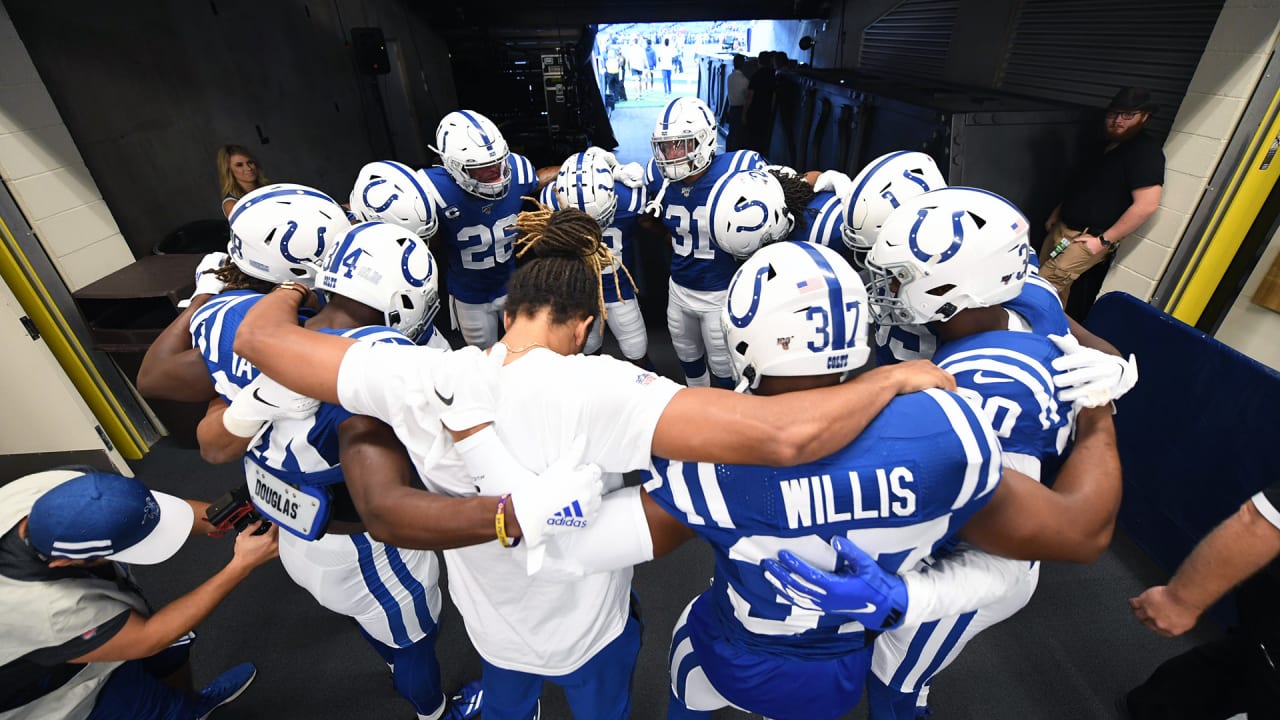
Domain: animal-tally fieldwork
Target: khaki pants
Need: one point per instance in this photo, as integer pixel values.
(1070, 264)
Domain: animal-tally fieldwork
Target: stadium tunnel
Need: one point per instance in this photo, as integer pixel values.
(110, 114)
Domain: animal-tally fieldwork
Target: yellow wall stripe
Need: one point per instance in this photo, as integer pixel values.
(1235, 213)
(21, 278)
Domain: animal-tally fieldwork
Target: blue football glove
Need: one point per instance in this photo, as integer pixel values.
(859, 588)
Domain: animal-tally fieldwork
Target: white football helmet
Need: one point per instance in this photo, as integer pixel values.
(684, 138)
(387, 268)
(749, 211)
(944, 251)
(279, 232)
(883, 185)
(393, 192)
(474, 152)
(794, 309)
(585, 182)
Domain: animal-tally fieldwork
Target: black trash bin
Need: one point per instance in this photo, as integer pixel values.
(127, 310)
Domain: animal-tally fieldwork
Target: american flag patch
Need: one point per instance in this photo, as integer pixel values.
(1018, 226)
(810, 285)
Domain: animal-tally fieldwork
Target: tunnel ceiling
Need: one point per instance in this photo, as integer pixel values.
(457, 14)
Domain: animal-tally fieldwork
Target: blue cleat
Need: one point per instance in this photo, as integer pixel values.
(224, 688)
(465, 703)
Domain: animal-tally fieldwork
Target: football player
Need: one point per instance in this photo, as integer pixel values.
(278, 233)
(585, 182)
(956, 259)
(683, 178)
(381, 281)
(477, 190)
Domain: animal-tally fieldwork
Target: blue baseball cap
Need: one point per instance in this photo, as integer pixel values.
(102, 515)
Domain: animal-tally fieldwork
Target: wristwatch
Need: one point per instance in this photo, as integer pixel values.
(1105, 242)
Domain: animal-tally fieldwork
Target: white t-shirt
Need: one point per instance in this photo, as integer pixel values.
(666, 56)
(545, 626)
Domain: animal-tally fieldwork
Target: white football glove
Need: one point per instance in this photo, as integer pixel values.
(466, 382)
(262, 401)
(782, 170)
(206, 282)
(564, 500)
(631, 174)
(833, 181)
(1091, 378)
(609, 158)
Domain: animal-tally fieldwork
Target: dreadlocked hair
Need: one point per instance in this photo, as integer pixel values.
(233, 278)
(798, 194)
(566, 276)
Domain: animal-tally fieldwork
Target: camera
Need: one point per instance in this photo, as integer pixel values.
(234, 511)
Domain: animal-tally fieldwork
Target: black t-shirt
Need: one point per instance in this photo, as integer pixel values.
(44, 670)
(1102, 188)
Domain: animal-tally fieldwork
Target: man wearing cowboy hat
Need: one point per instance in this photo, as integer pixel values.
(77, 639)
(1109, 196)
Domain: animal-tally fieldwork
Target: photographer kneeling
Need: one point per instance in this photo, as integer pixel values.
(79, 640)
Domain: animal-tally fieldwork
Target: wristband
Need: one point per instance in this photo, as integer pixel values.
(1105, 242)
(303, 290)
(500, 523)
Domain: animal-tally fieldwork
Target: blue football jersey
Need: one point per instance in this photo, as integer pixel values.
(213, 332)
(1038, 304)
(697, 263)
(1010, 376)
(823, 222)
(907, 483)
(305, 452)
(619, 236)
(478, 232)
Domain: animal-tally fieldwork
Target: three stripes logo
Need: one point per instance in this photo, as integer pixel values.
(570, 516)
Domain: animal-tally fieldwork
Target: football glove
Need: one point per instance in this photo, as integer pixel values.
(631, 174)
(859, 589)
(1091, 378)
(206, 282)
(263, 401)
(833, 181)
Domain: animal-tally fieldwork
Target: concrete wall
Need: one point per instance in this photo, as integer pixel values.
(1233, 61)
(43, 170)
(1253, 329)
(150, 90)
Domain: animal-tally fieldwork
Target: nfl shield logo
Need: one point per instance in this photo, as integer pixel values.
(785, 342)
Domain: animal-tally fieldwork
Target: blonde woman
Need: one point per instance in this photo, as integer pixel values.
(239, 173)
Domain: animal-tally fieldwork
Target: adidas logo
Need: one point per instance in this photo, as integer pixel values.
(570, 516)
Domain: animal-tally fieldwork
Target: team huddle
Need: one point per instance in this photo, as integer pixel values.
(863, 529)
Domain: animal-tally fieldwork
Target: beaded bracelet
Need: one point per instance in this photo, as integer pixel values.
(500, 523)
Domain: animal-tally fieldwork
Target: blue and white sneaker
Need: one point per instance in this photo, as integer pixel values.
(224, 688)
(465, 703)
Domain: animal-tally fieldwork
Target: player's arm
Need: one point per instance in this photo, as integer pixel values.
(1236, 549)
(1073, 521)
(1090, 340)
(382, 482)
(171, 368)
(300, 359)
(710, 425)
(144, 636)
(218, 446)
